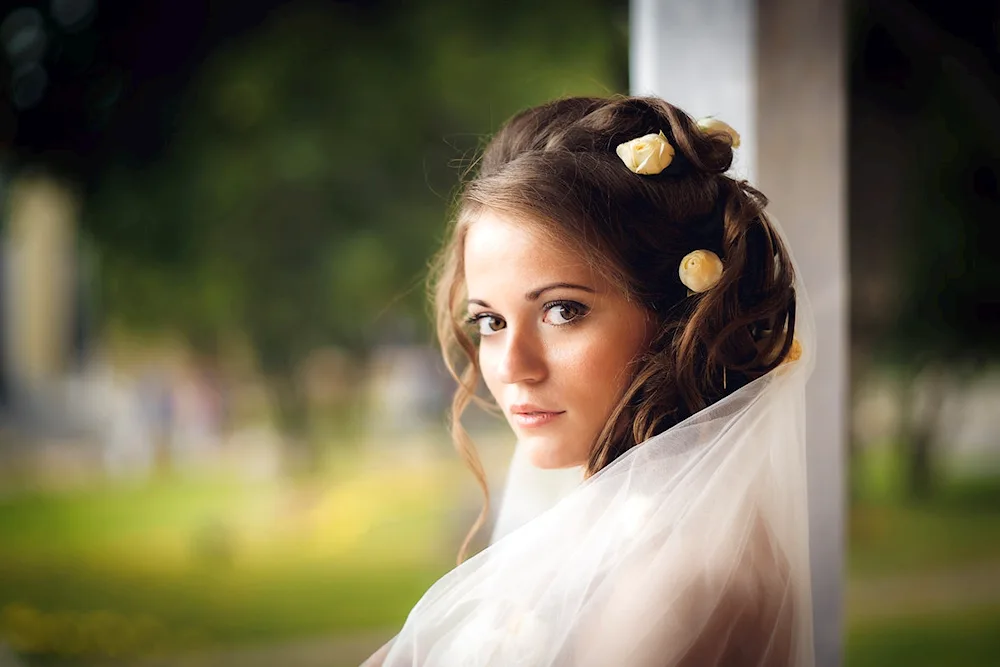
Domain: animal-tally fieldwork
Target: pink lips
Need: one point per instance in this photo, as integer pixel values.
(528, 415)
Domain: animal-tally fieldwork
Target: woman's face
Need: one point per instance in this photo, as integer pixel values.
(556, 339)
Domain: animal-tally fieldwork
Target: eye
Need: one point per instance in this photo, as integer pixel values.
(486, 324)
(559, 313)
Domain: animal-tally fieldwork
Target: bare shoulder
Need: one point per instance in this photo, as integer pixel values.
(731, 605)
(751, 619)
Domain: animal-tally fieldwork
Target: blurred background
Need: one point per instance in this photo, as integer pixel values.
(221, 407)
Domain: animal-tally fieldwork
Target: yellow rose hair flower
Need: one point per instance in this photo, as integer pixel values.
(713, 126)
(794, 352)
(700, 270)
(649, 154)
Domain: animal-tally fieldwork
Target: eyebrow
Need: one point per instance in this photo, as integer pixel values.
(533, 295)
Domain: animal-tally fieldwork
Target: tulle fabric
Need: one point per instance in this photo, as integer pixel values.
(690, 549)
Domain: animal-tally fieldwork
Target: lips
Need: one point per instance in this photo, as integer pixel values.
(529, 415)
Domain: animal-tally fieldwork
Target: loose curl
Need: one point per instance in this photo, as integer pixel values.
(554, 167)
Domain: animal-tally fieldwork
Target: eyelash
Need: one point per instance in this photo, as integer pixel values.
(580, 309)
(582, 312)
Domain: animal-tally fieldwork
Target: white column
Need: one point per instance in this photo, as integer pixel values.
(774, 70)
(699, 55)
(802, 119)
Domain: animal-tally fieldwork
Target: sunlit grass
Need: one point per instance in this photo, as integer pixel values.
(215, 562)
(966, 639)
(166, 525)
(959, 525)
(955, 530)
(897, 539)
(194, 563)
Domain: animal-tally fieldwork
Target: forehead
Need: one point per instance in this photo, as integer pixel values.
(502, 249)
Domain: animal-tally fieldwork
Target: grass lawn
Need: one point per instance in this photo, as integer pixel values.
(963, 639)
(956, 530)
(175, 564)
(123, 570)
(958, 526)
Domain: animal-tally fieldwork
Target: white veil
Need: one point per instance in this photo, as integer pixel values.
(690, 549)
(530, 491)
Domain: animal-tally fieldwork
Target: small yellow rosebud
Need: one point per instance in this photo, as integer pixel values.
(649, 154)
(700, 270)
(794, 352)
(712, 126)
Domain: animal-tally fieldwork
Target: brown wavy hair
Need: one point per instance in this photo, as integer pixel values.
(554, 167)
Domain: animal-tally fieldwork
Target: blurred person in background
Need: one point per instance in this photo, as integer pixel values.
(636, 316)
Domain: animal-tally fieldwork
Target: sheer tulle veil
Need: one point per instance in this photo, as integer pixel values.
(690, 549)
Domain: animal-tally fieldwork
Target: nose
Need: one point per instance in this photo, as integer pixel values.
(522, 359)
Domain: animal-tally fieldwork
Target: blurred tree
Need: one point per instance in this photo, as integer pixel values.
(944, 324)
(950, 304)
(306, 184)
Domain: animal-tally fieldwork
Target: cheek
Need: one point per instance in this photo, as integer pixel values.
(605, 369)
(487, 368)
(598, 371)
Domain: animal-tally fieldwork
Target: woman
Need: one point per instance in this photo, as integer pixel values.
(635, 314)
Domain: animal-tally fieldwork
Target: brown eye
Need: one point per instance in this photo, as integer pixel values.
(486, 324)
(561, 313)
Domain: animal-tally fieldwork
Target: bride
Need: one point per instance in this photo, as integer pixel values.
(637, 318)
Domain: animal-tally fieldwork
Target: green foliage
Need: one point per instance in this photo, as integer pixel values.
(951, 272)
(310, 174)
(309, 179)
